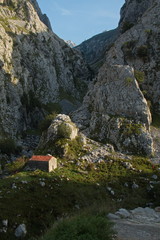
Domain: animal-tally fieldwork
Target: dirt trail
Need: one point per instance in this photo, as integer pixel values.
(129, 230)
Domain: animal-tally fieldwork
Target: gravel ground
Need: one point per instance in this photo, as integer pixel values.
(129, 230)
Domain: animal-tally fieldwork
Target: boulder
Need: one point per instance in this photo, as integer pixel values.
(21, 231)
(114, 110)
(123, 213)
(61, 128)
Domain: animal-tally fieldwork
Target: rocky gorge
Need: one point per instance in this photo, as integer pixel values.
(41, 74)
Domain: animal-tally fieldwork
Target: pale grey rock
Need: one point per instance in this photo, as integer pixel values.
(5, 222)
(53, 133)
(110, 105)
(42, 184)
(24, 182)
(43, 17)
(155, 177)
(139, 215)
(14, 186)
(113, 216)
(21, 231)
(111, 191)
(135, 186)
(99, 154)
(123, 213)
(146, 215)
(82, 139)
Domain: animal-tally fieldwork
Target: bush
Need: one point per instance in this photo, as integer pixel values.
(128, 47)
(18, 164)
(44, 124)
(92, 227)
(139, 76)
(128, 80)
(64, 131)
(142, 51)
(7, 146)
(126, 26)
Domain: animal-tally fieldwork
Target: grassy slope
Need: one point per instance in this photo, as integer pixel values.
(70, 189)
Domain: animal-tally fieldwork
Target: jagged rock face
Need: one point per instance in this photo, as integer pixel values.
(37, 69)
(94, 48)
(132, 11)
(116, 105)
(139, 48)
(43, 17)
(115, 110)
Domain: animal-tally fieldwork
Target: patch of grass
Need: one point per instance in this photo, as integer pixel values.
(129, 80)
(81, 227)
(63, 147)
(71, 188)
(132, 128)
(139, 76)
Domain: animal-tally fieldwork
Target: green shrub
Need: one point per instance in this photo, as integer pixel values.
(132, 128)
(139, 76)
(129, 44)
(64, 131)
(92, 227)
(126, 26)
(128, 80)
(18, 164)
(44, 124)
(52, 107)
(148, 31)
(7, 146)
(142, 51)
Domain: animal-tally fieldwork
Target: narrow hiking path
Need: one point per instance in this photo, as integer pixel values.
(137, 224)
(129, 230)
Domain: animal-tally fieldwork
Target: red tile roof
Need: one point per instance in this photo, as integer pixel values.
(40, 158)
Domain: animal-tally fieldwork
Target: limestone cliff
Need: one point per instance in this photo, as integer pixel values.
(39, 73)
(138, 47)
(116, 109)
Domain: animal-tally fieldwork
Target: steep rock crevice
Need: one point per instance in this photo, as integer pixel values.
(39, 72)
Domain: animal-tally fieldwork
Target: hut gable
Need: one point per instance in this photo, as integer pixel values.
(45, 163)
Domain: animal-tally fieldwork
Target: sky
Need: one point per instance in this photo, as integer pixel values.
(78, 20)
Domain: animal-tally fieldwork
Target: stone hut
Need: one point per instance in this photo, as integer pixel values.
(45, 163)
